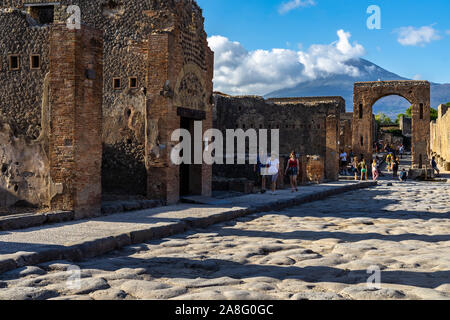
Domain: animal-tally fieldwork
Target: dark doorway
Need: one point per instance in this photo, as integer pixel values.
(190, 174)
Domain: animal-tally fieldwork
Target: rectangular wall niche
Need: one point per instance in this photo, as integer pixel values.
(117, 83)
(35, 61)
(43, 14)
(133, 83)
(14, 62)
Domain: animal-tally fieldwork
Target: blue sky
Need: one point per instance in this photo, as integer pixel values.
(414, 39)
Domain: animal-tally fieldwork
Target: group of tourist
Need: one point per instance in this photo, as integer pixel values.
(359, 168)
(268, 168)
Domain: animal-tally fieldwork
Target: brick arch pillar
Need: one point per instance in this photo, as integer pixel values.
(416, 92)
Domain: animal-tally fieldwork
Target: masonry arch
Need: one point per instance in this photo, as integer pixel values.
(366, 94)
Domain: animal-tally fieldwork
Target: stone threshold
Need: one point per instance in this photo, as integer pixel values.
(96, 247)
(29, 220)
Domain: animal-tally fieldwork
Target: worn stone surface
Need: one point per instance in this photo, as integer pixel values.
(316, 251)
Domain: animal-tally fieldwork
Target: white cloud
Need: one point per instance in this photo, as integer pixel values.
(286, 7)
(411, 36)
(417, 77)
(238, 71)
(447, 32)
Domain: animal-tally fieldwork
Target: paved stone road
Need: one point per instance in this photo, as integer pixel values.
(319, 250)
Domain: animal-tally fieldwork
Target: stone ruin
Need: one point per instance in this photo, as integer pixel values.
(88, 112)
(309, 125)
(366, 94)
(440, 137)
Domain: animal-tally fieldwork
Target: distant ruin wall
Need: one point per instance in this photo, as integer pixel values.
(440, 137)
(303, 126)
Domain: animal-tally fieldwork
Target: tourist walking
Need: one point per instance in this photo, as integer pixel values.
(401, 150)
(343, 157)
(274, 167)
(395, 167)
(375, 174)
(363, 166)
(261, 170)
(355, 166)
(292, 170)
(389, 160)
(435, 166)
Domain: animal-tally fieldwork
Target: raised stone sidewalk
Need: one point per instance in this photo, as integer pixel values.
(76, 240)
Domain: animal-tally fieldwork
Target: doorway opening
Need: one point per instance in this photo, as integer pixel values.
(393, 132)
(190, 174)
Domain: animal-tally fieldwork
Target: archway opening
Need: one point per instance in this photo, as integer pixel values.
(392, 134)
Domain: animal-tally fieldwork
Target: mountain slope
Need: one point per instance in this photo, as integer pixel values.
(342, 85)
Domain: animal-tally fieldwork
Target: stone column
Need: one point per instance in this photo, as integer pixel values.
(420, 141)
(362, 140)
(75, 99)
(332, 148)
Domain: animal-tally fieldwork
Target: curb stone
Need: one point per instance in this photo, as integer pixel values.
(97, 247)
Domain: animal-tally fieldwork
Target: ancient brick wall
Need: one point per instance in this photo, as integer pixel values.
(302, 123)
(440, 137)
(24, 176)
(405, 126)
(346, 132)
(180, 70)
(302, 126)
(128, 80)
(21, 90)
(332, 147)
(76, 86)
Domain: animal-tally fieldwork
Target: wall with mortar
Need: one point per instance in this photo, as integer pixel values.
(127, 26)
(24, 176)
(181, 70)
(302, 123)
(440, 137)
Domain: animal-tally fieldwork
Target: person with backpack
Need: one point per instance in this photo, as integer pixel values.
(389, 160)
(403, 176)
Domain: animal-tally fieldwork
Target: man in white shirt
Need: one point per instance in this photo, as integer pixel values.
(343, 157)
(274, 167)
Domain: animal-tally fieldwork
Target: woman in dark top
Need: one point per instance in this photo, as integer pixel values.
(395, 168)
(292, 170)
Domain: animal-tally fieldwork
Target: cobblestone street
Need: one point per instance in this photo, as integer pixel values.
(320, 250)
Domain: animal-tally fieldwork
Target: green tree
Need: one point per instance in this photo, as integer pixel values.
(433, 113)
(382, 119)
